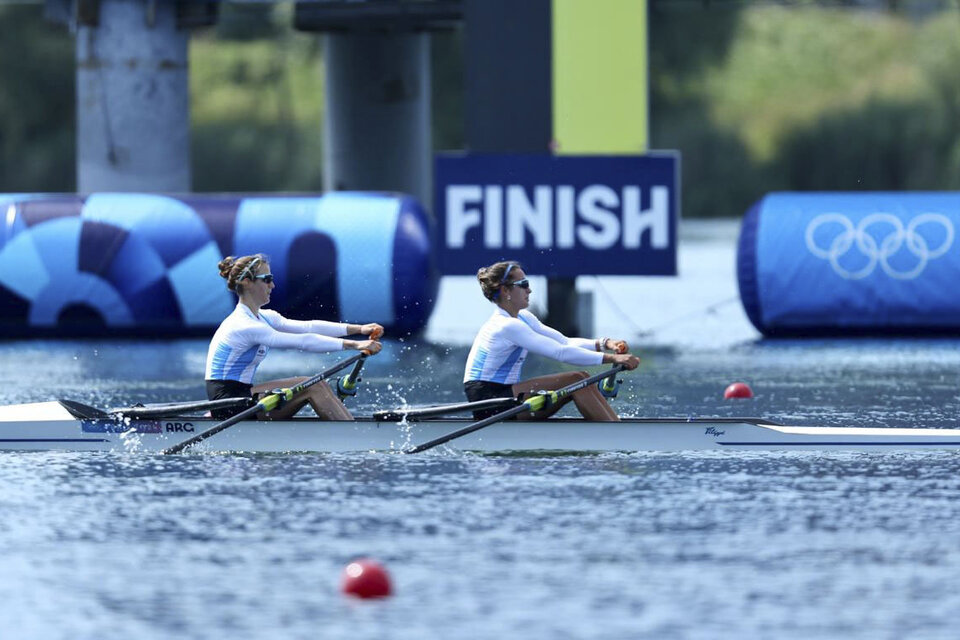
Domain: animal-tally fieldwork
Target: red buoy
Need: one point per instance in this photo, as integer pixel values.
(738, 390)
(365, 578)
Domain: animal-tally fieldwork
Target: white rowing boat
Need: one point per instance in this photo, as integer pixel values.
(73, 427)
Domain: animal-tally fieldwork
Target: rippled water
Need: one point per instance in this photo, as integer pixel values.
(782, 546)
(706, 545)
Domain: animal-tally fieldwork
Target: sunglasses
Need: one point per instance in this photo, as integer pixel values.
(523, 284)
(266, 277)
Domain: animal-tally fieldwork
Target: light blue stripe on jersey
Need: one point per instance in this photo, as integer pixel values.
(476, 367)
(241, 363)
(503, 373)
(220, 358)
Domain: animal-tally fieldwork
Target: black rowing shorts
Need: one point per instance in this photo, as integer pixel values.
(484, 390)
(220, 389)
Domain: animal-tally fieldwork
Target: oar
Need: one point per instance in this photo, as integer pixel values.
(180, 408)
(534, 403)
(348, 386)
(420, 413)
(268, 403)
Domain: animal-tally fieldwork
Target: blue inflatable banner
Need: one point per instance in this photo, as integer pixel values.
(558, 215)
(851, 263)
(146, 264)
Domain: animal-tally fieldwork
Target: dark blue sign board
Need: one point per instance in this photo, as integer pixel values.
(558, 215)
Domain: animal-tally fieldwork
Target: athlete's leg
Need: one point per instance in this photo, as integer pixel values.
(589, 400)
(320, 397)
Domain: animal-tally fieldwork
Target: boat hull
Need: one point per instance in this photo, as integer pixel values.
(48, 426)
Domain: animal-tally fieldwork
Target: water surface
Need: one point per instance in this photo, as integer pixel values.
(690, 545)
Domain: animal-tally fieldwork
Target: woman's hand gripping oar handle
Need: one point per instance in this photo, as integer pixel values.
(347, 386)
(610, 387)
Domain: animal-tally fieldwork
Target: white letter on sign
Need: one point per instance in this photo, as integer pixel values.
(565, 216)
(493, 216)
(459, 218)
(608, 226)
(536, 218)
(636, 221)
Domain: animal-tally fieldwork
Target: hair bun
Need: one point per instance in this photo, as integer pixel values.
(226, 265)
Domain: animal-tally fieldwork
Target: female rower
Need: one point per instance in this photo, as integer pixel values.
(493, 366)
(246, 335)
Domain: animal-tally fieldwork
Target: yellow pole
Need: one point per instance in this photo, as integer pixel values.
(600, 101)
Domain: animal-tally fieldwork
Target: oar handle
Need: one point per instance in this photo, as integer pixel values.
(534, 403)
(347, 386)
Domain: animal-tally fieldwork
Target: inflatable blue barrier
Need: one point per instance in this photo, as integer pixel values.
(145, 264)
(813, 264)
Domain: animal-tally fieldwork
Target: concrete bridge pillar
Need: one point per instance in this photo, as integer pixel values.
(133, 114)
(377, 122)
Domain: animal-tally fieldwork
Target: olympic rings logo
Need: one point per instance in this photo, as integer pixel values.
(897, 237)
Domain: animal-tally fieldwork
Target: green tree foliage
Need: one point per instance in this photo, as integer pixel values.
(256, 112)
(37, 112)
(804, 98)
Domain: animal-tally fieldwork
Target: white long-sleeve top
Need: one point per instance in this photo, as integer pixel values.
(243, 340)
(503, 342)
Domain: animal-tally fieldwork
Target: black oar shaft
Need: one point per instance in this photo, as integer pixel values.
(486, 422)
(179, 408)
(267, 403)
(531, 404)
(214, 430)
(355, 374)
(420, 413)
(346, 386)
(326, 374)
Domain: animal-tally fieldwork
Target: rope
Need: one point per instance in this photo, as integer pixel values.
(643, 333)
(708, 310)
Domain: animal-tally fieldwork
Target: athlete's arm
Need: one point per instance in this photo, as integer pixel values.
(535, 324)
(270, 337)
(320, 327)
(525, 337)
